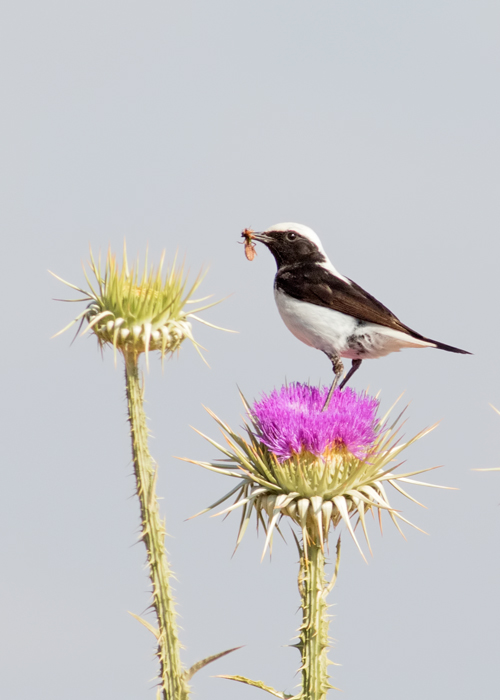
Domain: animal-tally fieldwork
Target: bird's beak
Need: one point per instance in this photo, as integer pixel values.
(261, 237)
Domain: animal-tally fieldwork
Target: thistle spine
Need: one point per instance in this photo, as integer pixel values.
(173, 684)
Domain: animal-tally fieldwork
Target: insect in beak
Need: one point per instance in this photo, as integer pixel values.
(250, 251)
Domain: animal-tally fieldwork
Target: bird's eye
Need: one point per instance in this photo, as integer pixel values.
(291, 235)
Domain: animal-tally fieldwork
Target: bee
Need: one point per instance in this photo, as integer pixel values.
(250, 252)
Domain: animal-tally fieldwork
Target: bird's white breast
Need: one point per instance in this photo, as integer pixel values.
(317, 326)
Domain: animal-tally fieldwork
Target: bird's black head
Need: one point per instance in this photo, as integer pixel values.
(292, 243)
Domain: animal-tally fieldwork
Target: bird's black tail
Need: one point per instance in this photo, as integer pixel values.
(441, 346)
(450, 348)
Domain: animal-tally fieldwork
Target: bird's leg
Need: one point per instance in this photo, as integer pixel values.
(338, 368)
(355, 365)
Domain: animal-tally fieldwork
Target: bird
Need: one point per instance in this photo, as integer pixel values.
(328, 311)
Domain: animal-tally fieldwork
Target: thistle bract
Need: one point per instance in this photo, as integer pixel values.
(318, 468)
(138, 312)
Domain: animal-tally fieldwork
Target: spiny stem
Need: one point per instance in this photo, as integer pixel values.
(313, 644)
(173, 685)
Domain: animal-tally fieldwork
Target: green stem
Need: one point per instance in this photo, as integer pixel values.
(313, 638)
(173, 684)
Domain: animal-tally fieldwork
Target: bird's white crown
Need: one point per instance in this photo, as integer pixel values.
(314, 238)
(303, 230)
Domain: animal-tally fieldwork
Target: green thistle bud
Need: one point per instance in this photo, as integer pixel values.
(137, 313)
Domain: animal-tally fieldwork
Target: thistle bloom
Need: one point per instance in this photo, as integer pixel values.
(318, 468)
(291, 421)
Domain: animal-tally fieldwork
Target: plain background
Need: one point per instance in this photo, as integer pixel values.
(176, 125)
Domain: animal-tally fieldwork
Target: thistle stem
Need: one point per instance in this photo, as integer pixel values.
(173, 685)
(313, 644)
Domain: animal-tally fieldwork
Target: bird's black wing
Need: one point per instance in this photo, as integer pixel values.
(316, 285)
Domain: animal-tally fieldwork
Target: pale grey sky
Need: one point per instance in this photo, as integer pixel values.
(176, 125)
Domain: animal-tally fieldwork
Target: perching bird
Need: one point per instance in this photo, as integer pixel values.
(328, 311)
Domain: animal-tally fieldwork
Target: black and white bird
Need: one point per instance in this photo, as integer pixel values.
(328, 311)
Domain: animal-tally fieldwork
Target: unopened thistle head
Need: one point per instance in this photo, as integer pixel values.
(317, 468)
(138, 312)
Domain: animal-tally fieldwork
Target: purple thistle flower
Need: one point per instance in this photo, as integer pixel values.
(291, 420)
